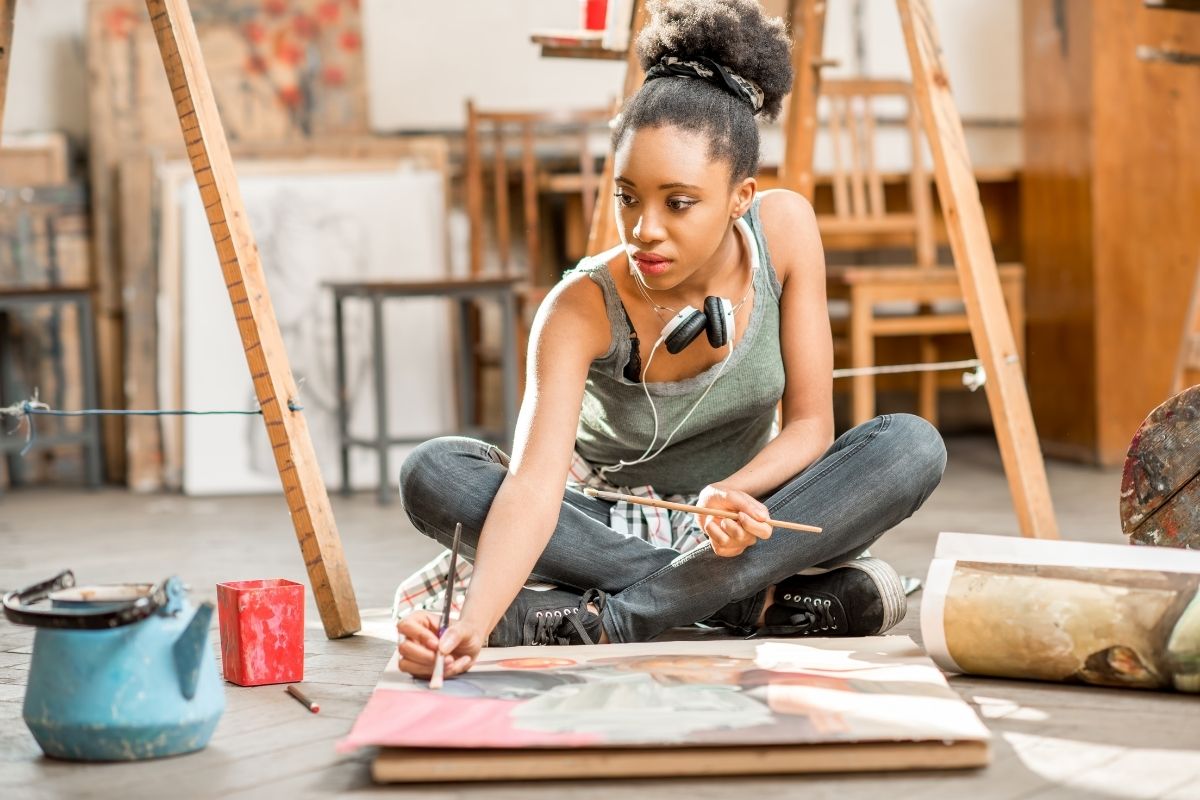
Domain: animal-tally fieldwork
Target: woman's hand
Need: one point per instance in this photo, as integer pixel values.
(730, 537)
(419, 644)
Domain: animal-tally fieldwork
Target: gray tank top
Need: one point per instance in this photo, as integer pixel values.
(726, 430)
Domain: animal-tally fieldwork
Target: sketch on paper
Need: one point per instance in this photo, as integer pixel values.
(1105, 615)
(736, 692)
(313, 227)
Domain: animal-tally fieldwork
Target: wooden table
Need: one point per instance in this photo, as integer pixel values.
(575, 44)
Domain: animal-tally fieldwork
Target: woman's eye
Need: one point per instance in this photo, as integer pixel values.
(680, 205)
(624, 199)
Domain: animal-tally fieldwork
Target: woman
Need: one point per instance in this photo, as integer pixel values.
(622, 392)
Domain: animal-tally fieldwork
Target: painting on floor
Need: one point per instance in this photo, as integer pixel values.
(674, 694)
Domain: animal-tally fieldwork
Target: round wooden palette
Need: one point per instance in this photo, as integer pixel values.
(1160, 488)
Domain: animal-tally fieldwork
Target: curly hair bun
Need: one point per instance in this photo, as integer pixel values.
(735, 33)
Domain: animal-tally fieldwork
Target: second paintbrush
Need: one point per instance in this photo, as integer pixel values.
(712, 512)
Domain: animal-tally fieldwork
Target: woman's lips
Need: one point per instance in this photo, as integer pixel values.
(652, 265)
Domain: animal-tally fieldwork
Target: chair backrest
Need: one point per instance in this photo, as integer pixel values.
(491, 136)
(858, 186)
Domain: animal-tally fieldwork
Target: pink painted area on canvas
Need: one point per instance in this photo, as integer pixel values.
(428, 719)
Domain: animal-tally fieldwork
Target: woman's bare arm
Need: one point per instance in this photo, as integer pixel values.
(569, 332)
(806, 344)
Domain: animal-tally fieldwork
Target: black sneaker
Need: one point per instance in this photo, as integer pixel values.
(863, 597)
(550, 617)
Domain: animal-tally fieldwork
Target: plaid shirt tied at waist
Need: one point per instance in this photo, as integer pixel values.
(425, 590)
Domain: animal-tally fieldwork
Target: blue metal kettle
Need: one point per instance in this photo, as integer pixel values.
(119, 672)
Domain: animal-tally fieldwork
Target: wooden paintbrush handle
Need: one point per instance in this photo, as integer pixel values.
(714, 512)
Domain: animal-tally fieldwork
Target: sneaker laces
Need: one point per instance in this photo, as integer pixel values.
(545, 630)
(814, 612)
(548, 628)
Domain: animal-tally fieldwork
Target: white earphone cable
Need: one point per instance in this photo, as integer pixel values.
(696, 405)
(646, 454)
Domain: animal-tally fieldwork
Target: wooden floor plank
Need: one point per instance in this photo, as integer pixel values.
(1185, 791)
(267, 745)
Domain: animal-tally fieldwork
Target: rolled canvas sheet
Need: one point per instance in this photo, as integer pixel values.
(1105, 615)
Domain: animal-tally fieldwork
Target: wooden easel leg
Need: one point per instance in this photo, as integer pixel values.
(274, 386)
(977, 274)
(8, 9)
(862, 355)
(807, 19)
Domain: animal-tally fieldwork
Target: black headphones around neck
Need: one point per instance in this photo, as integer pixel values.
(716, 320)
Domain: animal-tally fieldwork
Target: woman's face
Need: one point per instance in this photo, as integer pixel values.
(674, 204)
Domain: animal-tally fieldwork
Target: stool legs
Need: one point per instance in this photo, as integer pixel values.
(91, 424)
(343, 407)
(468, 374)
(381, 400)
(6, 395)
(468, 392)
(511, 360)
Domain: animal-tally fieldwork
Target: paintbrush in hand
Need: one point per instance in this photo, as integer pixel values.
(712, 512)
(439, 660)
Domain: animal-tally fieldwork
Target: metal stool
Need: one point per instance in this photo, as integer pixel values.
(464, 292)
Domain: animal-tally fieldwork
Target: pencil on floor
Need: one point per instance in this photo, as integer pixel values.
(295, 692)
(714, 512)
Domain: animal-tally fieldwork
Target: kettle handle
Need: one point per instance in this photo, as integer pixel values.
(17, 611)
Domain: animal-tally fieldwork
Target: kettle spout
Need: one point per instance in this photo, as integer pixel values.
(189, 649)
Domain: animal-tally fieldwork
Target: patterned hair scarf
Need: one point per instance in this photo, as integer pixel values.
(708, 70)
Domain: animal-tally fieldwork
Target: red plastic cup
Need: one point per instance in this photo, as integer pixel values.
(262, 631)
(592, 14)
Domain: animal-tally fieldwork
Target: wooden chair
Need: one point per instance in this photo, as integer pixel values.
(862, 219)
(519, 150)
(492, 137)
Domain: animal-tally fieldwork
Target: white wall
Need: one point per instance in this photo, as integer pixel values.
(981, 45)
(425, 58)
(47, 78)
(981, 48)
(481, 49)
